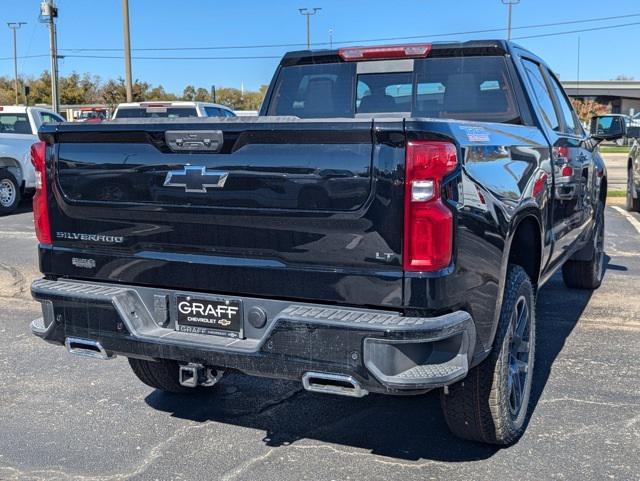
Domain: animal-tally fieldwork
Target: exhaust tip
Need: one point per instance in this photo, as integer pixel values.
(328, 383)
(87, 348)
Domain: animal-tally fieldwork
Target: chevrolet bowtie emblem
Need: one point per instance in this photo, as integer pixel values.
(196, 179)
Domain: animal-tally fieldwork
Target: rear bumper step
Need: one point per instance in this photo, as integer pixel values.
(343, 351)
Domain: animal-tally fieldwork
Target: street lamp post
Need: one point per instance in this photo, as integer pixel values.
(307, 12)
(510, 3)
(15, 26)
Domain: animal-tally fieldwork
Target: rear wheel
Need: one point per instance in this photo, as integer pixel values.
(9, 192)
(633, 205)
(588, 274)
(491, 404)
(162, 374)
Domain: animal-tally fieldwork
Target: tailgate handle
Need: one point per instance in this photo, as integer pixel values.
(199, 140)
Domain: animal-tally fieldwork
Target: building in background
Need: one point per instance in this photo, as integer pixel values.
(622, 95)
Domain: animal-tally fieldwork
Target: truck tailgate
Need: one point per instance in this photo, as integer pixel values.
(264, 207)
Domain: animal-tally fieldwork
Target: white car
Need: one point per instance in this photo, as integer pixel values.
(18, 131)
(161, 109)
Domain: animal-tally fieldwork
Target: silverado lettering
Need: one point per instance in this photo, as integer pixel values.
(90, 237)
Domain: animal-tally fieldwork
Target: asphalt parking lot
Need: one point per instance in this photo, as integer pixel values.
(65, 418)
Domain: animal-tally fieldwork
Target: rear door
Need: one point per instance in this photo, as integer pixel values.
(568, 159)
(582, 149)
(306, 209)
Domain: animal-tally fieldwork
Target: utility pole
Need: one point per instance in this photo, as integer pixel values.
(331, 39)
(307, 12)
(127, 51)
(15, 26)
(578, 78)
(48, 14)
(510, 3)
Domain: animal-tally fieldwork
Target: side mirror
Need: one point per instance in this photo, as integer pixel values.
(608, 127)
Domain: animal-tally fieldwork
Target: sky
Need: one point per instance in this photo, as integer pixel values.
(160, 24)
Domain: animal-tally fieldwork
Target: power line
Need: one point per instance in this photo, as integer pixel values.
(258, 57)
(568, 32)
(252, 57)
(26, 56)
(381, 39)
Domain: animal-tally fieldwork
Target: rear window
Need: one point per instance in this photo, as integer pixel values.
(315, 91)
(155, 112)
(217, 112)
(463, 88)
(14, 124)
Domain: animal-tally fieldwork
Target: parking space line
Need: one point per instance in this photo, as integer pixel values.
(17, 235)
(632, 220)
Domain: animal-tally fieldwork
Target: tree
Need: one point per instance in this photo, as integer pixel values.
(159, 93)
(624, 78)
(230, 97)
(76, 89)
(589, 108)
(202, 95)
(72, 91)
(189, 93)
(40, 89)
(114, 92)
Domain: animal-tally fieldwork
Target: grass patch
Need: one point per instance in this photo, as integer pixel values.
(614, 149)
(617, 193)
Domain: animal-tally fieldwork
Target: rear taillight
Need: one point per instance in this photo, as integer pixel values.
(353, 54)
(40, 202)
(428, 223)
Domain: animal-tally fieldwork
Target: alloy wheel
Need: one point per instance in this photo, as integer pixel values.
(519, 350)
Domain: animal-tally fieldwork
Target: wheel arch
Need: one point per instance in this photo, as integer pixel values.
(525, 245)
(13, 166)
(525, 231)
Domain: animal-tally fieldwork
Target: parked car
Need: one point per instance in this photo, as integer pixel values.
(450, 182)
(171, 110)
(633, 168)
(18, 131)
(92, 114)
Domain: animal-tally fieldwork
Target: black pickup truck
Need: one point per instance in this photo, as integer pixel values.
(382, 226)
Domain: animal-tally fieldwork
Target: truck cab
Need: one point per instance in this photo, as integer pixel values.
(19, 127)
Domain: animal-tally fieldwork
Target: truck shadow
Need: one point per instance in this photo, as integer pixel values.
(406, 428)
(26, 205)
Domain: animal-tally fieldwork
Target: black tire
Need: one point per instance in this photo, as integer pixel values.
(491, 404)
(163, 375)
(633, 205)
(588, 274)
(9, 192)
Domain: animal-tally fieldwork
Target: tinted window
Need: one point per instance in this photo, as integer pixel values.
(213, 112)
(315, 91)
(384, 92)
(47, 118)
(14, 124)
(572, 126)
(155, 112)
(542, 94)
(466, 88)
